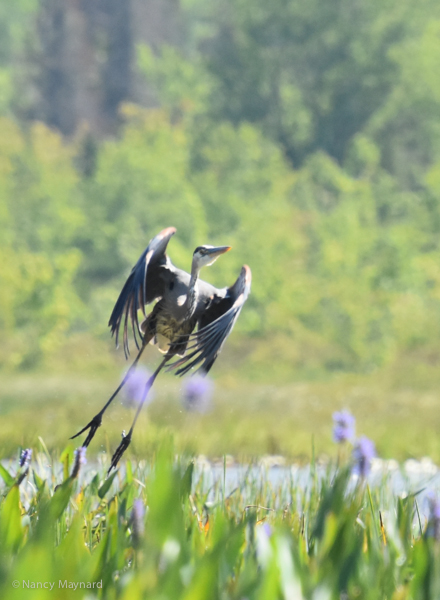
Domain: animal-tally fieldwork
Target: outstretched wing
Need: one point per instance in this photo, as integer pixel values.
(145, 283)
(214, 326)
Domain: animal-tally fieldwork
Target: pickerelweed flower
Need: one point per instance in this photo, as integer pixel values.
(363, 452)
(134, 389)
(197, 394)
(433, 529)
(343, 427)
(267, 529)
(25, 458)
(137, 521)
(263, 545)
(23, 463)
(80, 460)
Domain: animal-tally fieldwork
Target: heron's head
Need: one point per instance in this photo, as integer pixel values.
(206, 255)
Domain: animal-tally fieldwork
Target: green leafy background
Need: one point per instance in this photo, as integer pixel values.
(305, 136)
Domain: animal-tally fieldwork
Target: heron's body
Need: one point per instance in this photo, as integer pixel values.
(179, 310)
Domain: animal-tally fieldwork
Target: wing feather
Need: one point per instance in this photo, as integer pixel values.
(214, 327)
(144, 284)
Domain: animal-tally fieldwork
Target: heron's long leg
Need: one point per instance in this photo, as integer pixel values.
(126, 439)
(97, 419)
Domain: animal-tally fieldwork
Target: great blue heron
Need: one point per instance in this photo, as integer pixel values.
(183, 302)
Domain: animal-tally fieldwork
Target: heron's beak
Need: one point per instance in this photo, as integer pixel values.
(214, 252)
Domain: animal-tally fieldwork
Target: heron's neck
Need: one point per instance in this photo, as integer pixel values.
(193, 293)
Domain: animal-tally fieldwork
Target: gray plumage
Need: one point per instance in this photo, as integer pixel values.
(184, 301)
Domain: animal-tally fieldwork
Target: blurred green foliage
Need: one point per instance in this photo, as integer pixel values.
(159, 530)
(247, 419)
(308, 138)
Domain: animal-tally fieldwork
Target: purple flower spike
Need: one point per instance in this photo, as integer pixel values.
(134, 389)
(433, 529)
(197, 394)
(25, 458)
(23, 463)
(80, 460)
(363, 452)
(343, 427)
(434, 506)
(137, 520)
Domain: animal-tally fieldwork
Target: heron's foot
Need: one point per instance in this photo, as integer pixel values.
(126, 439)
(93, 426)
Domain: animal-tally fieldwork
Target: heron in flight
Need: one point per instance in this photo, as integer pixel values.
(184, 302)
